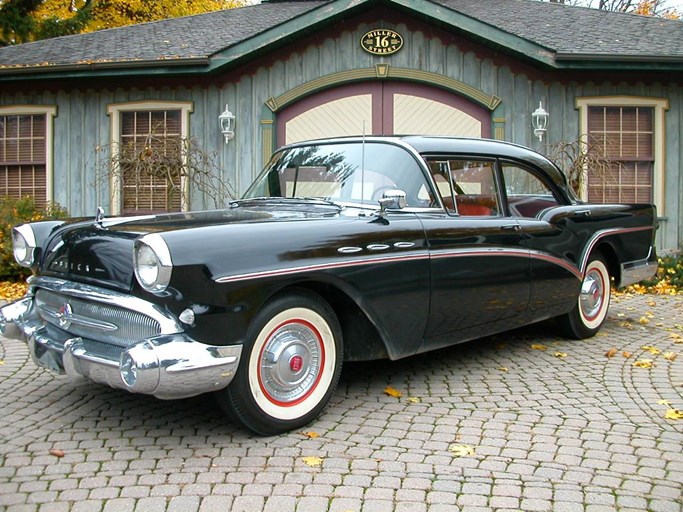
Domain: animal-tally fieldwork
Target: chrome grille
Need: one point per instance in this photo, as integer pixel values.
(93, 320)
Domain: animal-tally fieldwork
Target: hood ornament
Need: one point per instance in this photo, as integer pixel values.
(99, 216)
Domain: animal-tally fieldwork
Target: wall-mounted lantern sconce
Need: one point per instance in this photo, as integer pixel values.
(539, 120)
(227, 122)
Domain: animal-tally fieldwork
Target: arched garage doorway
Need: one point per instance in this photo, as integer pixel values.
(382, 108)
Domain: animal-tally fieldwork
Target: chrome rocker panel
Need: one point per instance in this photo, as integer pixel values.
(168, 366)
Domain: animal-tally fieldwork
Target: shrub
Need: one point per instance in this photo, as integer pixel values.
(12, 213)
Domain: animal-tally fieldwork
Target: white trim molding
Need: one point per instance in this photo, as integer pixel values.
(50, 112)
(659, 105)
(115, 109)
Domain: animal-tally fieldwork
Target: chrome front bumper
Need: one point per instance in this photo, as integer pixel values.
(168, 366)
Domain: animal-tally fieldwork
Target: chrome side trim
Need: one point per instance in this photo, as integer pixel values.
(96, 294)
(592, 241)
(422, 255)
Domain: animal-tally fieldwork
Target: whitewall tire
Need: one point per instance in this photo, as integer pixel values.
(290, 366)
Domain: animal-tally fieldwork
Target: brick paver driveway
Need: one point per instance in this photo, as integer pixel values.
(546, 432)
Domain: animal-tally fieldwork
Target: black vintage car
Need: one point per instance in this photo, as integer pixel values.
(342, 250)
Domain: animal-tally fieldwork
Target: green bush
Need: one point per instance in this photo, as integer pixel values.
(14, 212)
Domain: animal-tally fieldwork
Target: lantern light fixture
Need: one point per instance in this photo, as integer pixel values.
(227, 123)
(539, 120)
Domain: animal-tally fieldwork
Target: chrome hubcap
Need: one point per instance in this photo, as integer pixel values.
(592, 290)
(290, 363)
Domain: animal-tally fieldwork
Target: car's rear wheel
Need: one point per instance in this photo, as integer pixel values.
(590, 311)
(290, 365)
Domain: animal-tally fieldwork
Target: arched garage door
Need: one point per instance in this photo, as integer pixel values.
(382, 108)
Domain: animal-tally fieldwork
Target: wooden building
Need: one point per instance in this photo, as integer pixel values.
(296, 70)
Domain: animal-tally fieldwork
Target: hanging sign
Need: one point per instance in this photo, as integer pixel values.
(381, 42)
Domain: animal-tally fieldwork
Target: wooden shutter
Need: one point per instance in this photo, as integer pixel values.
(625, 135)
(150, 160)
(23, 157)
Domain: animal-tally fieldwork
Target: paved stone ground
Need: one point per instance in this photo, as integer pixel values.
(578, 433)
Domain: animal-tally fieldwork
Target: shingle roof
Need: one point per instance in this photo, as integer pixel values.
(189, 37)
(566, 31)
(576, 30)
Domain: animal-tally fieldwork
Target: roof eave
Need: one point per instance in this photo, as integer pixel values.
(103, 69)
(603, 61)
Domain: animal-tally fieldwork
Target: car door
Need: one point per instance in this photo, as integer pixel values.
(480, 268)
(533, 202)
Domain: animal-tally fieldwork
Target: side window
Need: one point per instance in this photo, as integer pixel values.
(527, 194)
(467, 187)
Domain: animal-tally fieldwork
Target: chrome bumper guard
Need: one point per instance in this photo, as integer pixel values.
(168, 366)
(635, 271)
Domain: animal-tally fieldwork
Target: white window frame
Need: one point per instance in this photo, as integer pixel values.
(50, 112)
(659, 106)
(114, 111)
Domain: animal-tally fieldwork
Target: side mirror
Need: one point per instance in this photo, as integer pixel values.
(391, 199)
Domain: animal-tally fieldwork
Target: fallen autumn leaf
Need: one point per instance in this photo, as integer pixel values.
(313, 462)
(393, 392)
(461, 450)
(611, 352)
(674, 414)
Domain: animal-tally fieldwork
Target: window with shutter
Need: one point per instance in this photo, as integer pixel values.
(625, 135)
(23, 163)
(632, 132)
(151, 161)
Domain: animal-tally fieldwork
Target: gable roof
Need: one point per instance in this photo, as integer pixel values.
(553, 36)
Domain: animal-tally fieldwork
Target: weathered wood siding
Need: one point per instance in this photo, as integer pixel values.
(82, 124)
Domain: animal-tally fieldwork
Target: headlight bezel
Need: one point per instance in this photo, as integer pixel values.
(24, 236)
(152, 251)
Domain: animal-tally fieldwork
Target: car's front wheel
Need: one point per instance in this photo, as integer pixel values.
(590, 311)
(290, 365)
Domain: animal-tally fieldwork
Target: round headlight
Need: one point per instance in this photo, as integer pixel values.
(147, 266)
(24, 244)
(152, 263)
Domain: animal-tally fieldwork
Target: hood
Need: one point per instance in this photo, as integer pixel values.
(101, 253)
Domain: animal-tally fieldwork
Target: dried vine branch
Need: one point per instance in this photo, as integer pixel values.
(181, 165)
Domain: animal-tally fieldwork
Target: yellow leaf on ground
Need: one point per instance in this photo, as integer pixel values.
(626, 354)
(652, 350)
(503, 369)
(461, 450)
(560, 354)
(663, 402)
(674, 414)
(644, 320)
(611, 352)
(314, 462)
(538, 346)
(670, 356)
(393, 392)
(311, 434)
(414, 399)
(644, 363)
(2, 361)
(651, 303)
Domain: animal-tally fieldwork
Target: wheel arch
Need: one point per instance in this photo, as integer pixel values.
(609, 253)
(362, 340)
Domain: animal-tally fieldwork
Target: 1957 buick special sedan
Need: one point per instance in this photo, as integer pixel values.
(342, 250)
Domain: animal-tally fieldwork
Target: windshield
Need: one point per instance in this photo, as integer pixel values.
(352, 172)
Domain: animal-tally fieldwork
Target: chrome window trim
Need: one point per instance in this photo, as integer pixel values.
(167, 324)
